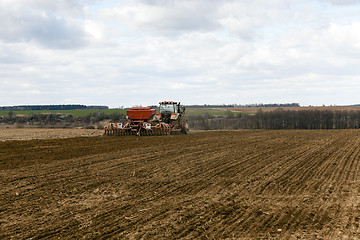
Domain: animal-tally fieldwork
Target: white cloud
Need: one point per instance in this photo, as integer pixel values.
(139, 52)
(165, 17)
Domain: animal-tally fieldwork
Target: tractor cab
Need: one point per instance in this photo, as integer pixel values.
(167, 108)
(170, 111)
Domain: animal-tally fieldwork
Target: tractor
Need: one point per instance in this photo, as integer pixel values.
(173, 113)
(171, 119)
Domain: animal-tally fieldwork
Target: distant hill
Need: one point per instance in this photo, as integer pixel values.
(247, 105)
(50, 107)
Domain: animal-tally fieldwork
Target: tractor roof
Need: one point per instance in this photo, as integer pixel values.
(167, 102)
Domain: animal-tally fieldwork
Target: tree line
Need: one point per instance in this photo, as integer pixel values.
(50, 107)
(279, 119)
(61, 120)
(246, 105)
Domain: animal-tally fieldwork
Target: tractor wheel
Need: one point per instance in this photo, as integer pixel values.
(184, 125)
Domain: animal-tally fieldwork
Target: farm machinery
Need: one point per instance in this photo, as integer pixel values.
(170, 119)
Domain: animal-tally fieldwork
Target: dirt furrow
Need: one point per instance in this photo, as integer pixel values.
(208, 185)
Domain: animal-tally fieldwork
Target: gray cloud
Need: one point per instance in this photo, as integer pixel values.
(43, 23)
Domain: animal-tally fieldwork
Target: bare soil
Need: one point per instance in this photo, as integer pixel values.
(206, 185)
(12, 133)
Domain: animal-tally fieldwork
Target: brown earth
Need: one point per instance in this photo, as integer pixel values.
(13, 133)
(206, 185)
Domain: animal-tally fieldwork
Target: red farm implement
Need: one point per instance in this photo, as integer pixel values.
(145, 121)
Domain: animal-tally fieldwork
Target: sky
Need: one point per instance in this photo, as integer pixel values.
(139, 52)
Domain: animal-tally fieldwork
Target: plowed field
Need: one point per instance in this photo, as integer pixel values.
(206, 185)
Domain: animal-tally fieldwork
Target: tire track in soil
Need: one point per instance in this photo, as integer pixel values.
(338, 177)
(248, 184)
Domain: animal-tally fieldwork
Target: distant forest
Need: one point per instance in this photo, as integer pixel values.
(246, 105)
(279, 119)
(78, 106)
(239, 105)
(50, 107)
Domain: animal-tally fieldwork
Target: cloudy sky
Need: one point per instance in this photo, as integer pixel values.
(140, 52)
